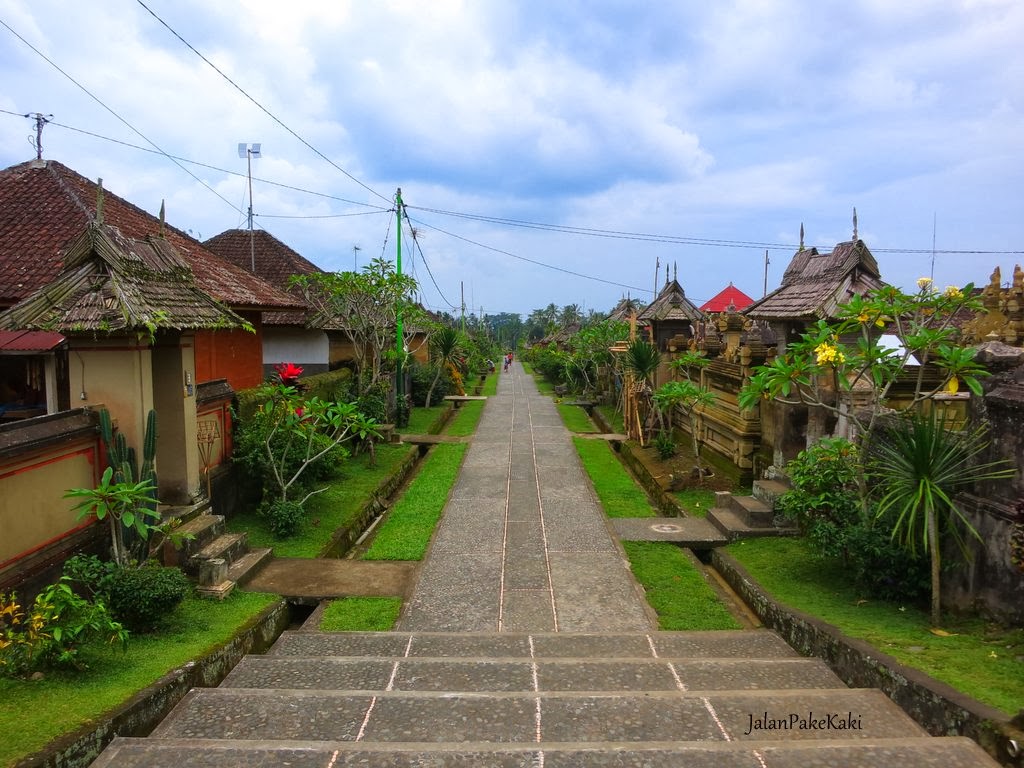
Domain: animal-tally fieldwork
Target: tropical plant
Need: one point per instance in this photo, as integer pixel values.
(367, 306)
(689, 395)
(124, 505)
(296, 434)
(918, 466)
(446, 345)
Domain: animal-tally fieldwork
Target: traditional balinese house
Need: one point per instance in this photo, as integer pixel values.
(625, 309)
(673, 319)
(813, 286)
(287, 336)
(44, 205)
(729, 299)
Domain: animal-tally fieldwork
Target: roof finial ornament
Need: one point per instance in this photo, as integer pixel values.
(801, 238)
(162, 217)
(99, 201)
(666, 274)
(854, 223)
(675, 271)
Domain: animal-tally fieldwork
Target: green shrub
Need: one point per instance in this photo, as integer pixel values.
(665, 446)
(283, 517)
(51, 633)
(91, 577)
(422, 377)
(141, 597)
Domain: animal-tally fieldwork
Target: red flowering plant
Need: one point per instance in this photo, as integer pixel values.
(288, 373)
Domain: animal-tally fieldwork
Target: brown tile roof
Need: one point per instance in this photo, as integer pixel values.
(671, 304)
(45, 205)
(815, 284)
(112, 283)
(275, 263)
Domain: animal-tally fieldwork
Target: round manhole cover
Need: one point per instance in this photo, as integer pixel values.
(667, 528)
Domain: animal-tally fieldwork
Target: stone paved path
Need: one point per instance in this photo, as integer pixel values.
(523, 545)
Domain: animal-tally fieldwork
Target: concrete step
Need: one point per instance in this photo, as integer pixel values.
(517, 674)
(881, 753)
(184, 512)
(769, 490)
(228, 547)
(734, 527)
(758, 643)
(753, 512)
(245, 568)
(202, 530)
(420, 716)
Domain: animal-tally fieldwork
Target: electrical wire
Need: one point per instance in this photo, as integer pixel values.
(95, 98)
(263, 109)
(423, 258)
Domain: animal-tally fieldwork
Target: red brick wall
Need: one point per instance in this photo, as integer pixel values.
(235, 355)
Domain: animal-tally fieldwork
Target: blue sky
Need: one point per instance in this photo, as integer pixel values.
(687, 123)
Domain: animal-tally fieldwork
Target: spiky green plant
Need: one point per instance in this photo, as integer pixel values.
(917, 466)
(445, 345)
(641, 359)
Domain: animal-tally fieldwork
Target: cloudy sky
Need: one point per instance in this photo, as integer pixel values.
(548, 152)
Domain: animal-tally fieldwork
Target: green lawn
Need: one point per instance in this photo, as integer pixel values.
(675, 589)
(326, 512)
(982, 660)
(695, 503)
(361, 614)
(406, 531)
(618, 492)
(576, 419)
(33, 713)
(422, 420)
(613, 417)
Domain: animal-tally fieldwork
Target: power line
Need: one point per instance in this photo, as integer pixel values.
(95, 98)
(265, 111)
(416, 242)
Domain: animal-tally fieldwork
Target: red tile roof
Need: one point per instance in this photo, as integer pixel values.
(44, 205)
(29, 341)
(275, 263)
(730, 295)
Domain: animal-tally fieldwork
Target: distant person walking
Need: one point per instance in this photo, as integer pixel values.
(508, 362)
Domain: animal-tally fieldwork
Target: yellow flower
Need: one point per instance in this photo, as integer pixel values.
(863, 317)
(952, 292)
(828, 353)
(924, 283)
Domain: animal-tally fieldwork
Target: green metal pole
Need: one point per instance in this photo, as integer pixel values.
(399, 345)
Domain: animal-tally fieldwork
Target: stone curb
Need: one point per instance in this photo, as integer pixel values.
(937, 707)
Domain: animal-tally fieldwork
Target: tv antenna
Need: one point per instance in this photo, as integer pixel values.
(41, 121)
(249, 151)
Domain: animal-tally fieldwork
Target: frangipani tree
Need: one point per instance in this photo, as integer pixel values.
(919, 461)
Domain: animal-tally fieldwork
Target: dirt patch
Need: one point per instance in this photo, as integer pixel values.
(676, 473)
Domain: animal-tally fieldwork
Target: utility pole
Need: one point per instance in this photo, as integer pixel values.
(249, 152)
(401, 415)
(41, 121)
(766, 263)
(462, 290)
(355, 253)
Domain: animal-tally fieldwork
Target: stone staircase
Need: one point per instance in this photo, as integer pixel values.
(219, 561)
(740, 517)
(717, 699)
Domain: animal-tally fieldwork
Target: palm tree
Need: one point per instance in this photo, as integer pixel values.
(445, 345)
(918, 466)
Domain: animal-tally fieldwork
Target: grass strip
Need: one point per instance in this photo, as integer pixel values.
(613, 417)
(34, 713)
(675, 589)
(422, 420)
(353, 484)
(361, 614)
(983, 660)
(406, 531)
(615, 487)
(576, 419)
(466, 417)
(695, 502)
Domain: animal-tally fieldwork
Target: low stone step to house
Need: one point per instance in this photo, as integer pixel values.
(752, 511)
(228, 547)
(769, 491)
(242, 570)
(197, 533)
(184, 513)
(879, 753)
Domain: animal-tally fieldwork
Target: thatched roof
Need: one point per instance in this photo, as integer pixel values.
(113, 283)
(815, 284)
(671, 304)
